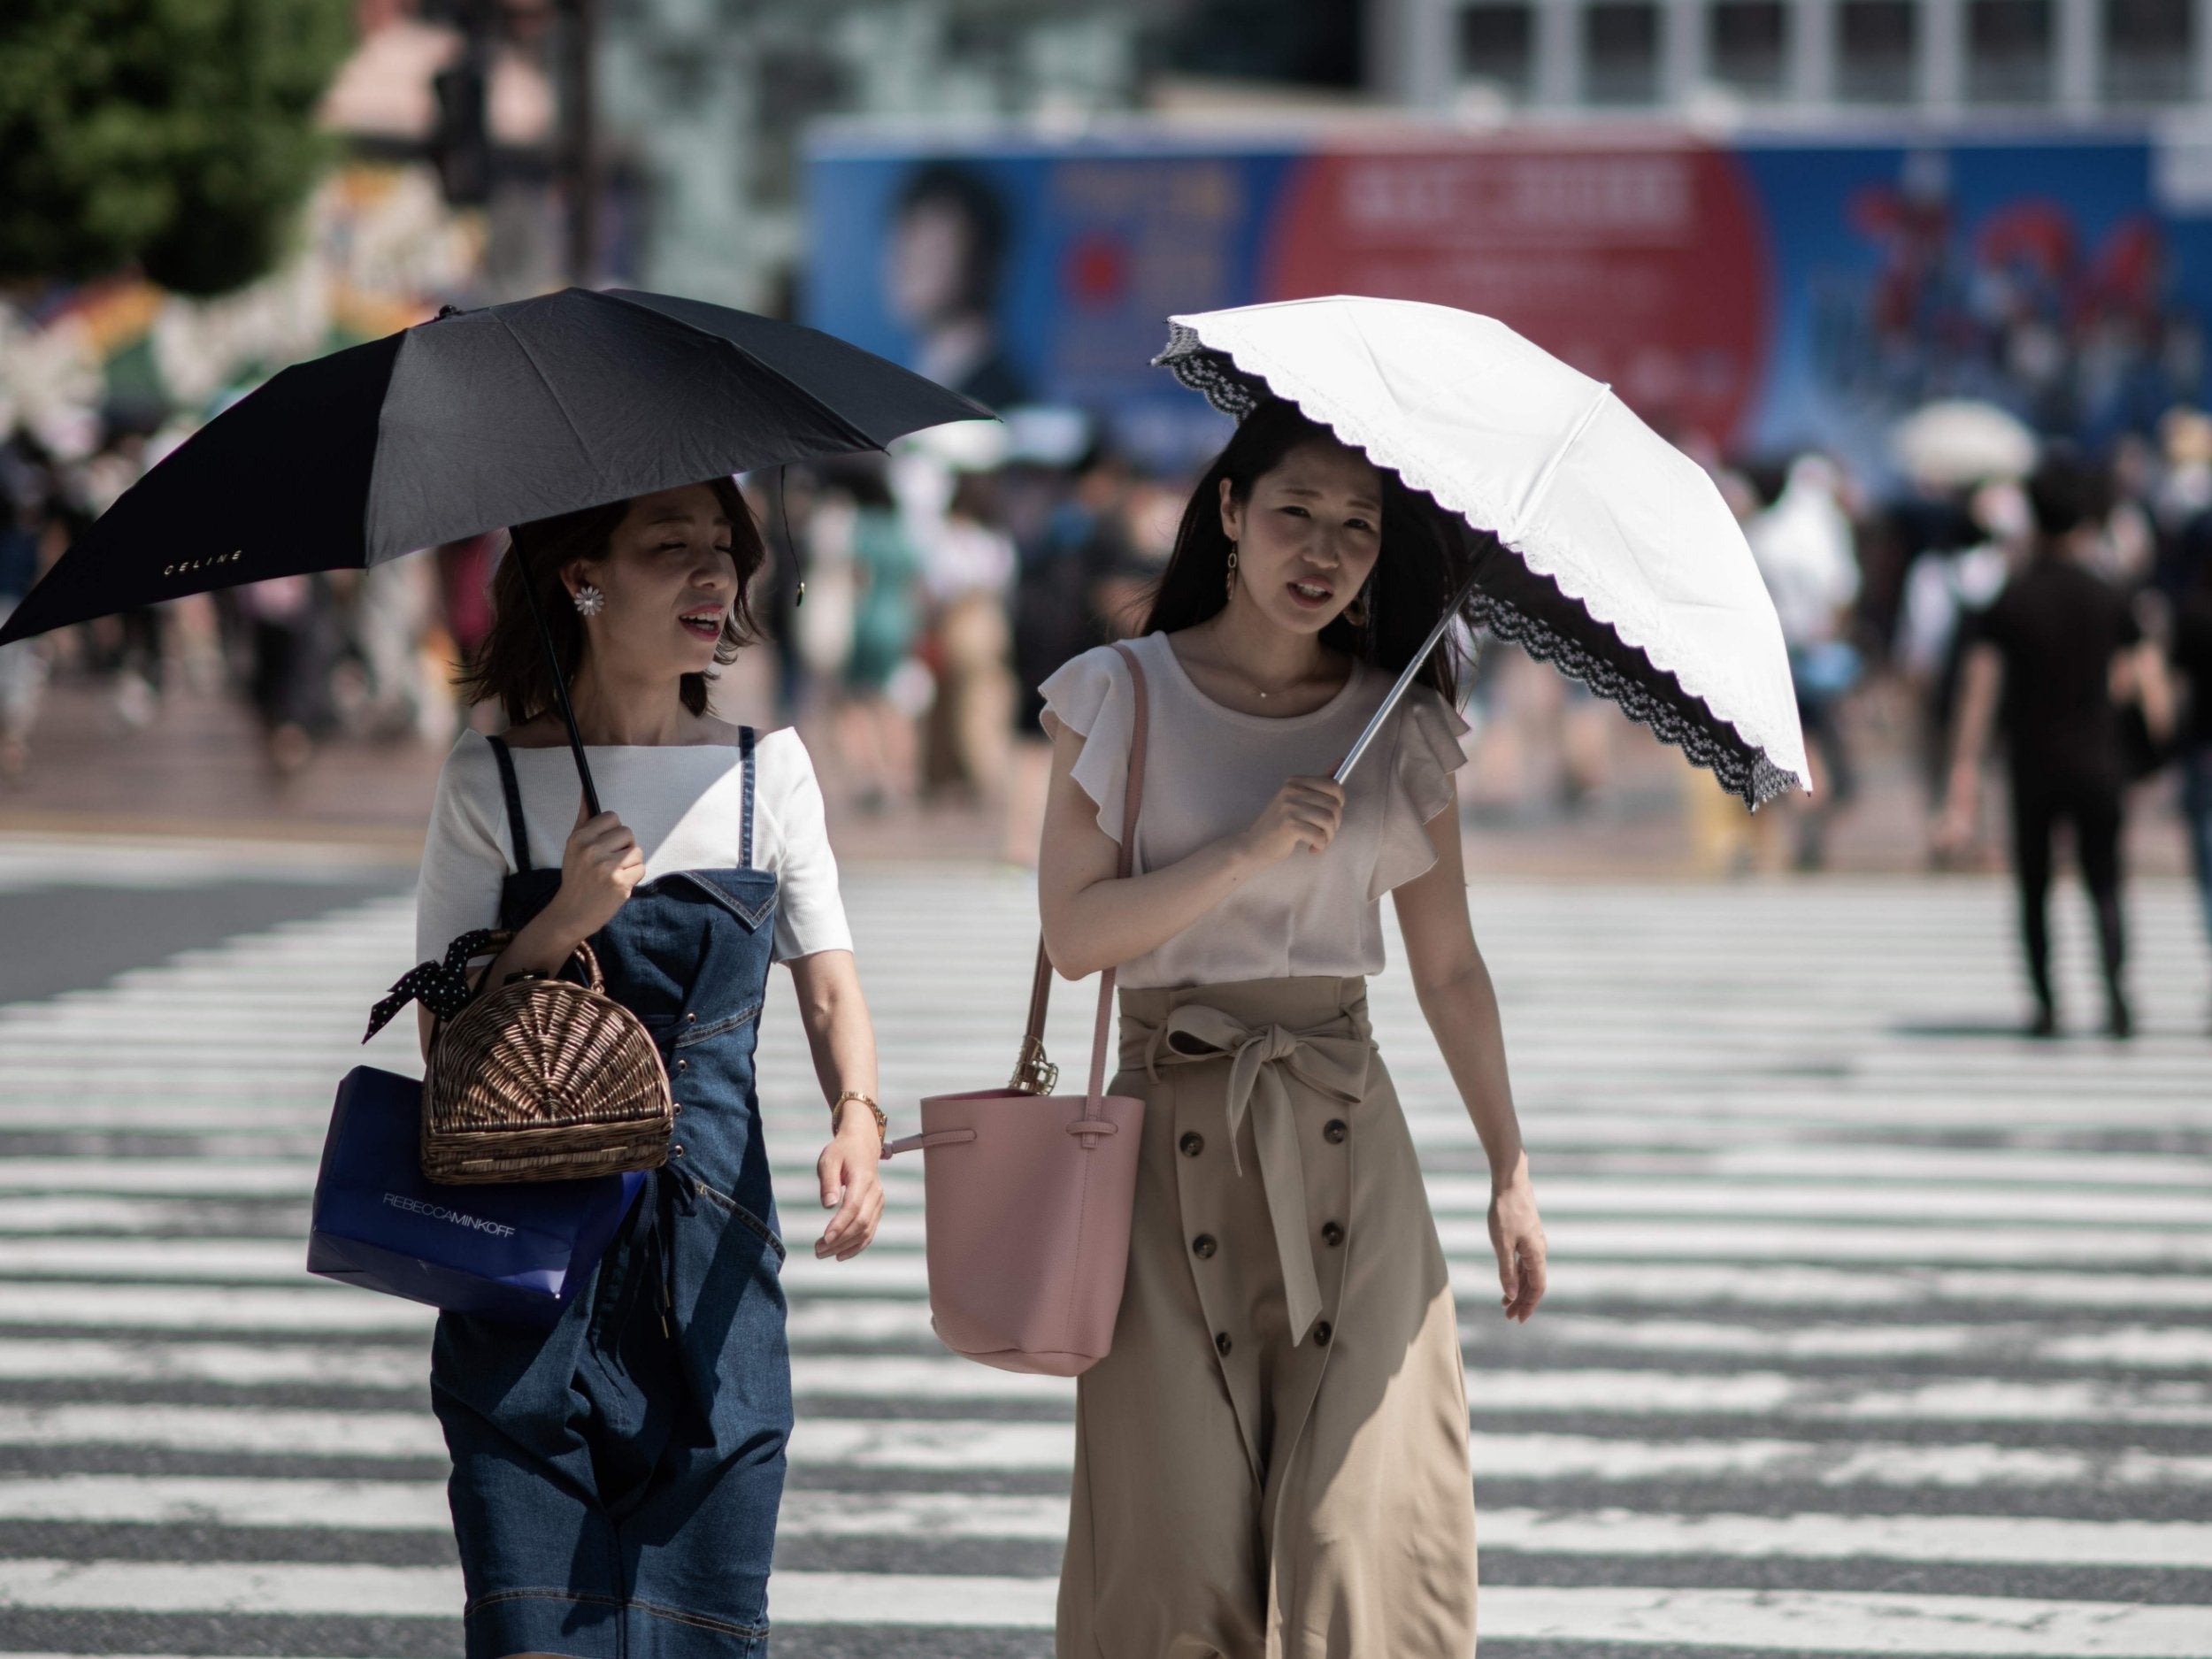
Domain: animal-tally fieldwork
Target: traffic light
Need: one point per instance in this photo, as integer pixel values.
(461, 142)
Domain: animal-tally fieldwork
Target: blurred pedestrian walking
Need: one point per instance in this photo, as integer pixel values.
(22, 665)
(288, 634)
(1055, 605)
(1965, 556)
(2053, 657)
(2193, 658)
(1801, 538)
(2182, 500)
(882, 698)
(465, 583)
(133, 646)
(1055, 618)
(968, 578)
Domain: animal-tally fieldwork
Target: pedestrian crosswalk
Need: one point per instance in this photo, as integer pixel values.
(1874, 1329)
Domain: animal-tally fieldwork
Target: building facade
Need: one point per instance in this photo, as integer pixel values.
(707, 100)
(1810, 60)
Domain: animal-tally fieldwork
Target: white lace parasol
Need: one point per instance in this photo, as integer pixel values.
(1631, 573)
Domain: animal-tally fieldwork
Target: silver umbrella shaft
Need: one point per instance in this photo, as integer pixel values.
(1405, 680)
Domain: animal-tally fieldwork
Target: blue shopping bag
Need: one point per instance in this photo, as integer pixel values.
(516, 1251)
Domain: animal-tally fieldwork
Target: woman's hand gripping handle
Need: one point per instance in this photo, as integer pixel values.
(1305, 812)
(600, 866)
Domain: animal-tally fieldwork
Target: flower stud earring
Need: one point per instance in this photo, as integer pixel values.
(589, 601)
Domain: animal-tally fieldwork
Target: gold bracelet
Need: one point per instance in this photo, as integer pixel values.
(883, 1123)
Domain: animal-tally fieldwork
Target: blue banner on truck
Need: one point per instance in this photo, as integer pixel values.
(1752, 295)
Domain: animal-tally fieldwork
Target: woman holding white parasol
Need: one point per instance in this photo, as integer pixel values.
(1272, 1459)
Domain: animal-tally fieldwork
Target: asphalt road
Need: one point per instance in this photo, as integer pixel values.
(1875, 1329)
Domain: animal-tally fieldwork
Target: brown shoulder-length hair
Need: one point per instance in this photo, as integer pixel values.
(1413, 580)
(509, 665)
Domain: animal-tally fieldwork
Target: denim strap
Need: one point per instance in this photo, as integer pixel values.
(745, 747)
(513, 792)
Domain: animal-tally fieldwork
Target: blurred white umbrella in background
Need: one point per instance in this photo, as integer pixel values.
(1959, 442)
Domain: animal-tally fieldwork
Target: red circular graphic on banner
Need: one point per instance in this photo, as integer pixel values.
(1642, 267)
(1096, 270)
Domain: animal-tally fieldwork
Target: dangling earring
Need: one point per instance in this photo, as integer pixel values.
(1229, 581)
(589, 601)
(1356, 613)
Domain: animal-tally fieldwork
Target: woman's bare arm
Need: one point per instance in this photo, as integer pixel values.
(1981, 687)
(843, 1040)
(2139, 676)
(1095, 918)
(1457, 999)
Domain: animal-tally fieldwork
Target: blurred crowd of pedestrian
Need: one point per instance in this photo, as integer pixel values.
(918, 601)
(2047, 615)
(367, 652)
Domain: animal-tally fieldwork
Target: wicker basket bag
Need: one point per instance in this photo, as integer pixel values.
(544, 1079)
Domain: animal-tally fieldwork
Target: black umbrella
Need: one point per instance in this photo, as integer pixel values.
(477, 420)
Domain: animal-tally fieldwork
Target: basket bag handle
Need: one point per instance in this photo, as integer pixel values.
(445, 987)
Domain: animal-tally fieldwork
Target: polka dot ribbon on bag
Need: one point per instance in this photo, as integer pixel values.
(441, 986)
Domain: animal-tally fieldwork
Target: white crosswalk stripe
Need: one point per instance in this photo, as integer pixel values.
(1874, 1330)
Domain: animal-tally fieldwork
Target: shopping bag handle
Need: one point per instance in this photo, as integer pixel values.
(1034, 1072)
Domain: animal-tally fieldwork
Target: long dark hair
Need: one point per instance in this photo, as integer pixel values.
(1413, 580)
(510, 663)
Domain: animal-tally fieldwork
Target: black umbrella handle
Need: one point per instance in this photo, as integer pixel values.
(560, 687)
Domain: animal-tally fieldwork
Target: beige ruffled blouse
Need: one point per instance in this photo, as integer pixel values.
(1208, 770)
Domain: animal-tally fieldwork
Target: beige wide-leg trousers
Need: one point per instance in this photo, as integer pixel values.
(1272, 1463)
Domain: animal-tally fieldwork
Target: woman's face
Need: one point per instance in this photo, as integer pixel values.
(1307, 535)
(931, 246)
(670, 582)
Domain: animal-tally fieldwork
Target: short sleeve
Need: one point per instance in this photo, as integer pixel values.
(809, 910)
(463, 851)
(1426, 753)
(1093, 695)
(1991, 624)
(2128, 627)
(2192, 644)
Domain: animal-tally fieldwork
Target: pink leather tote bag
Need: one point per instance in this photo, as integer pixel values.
(1028, 1193)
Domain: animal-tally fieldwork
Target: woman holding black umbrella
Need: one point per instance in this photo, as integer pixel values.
(616, 1481)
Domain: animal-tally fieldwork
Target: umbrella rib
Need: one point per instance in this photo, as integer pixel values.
(583, 448)
(866, 442)
(1552, 463)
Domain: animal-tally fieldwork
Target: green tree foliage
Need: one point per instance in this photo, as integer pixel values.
(176, 135)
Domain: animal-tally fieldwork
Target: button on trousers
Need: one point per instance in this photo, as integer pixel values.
(1259, 1476)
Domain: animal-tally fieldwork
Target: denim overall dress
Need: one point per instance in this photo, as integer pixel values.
(616, 1479)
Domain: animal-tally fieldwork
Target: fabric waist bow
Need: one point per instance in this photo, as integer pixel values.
(1324, 1059)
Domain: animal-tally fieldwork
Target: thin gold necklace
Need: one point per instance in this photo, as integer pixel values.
(1297, 680)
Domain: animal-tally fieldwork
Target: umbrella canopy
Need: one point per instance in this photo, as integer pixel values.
(476, 421)
(1600, 547)
(1961, 441)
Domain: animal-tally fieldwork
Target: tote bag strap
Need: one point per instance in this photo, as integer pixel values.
(1035, 1074)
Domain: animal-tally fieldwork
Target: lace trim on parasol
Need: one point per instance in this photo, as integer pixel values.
(1214, 372)
(1743, 771)
(1210, 373)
